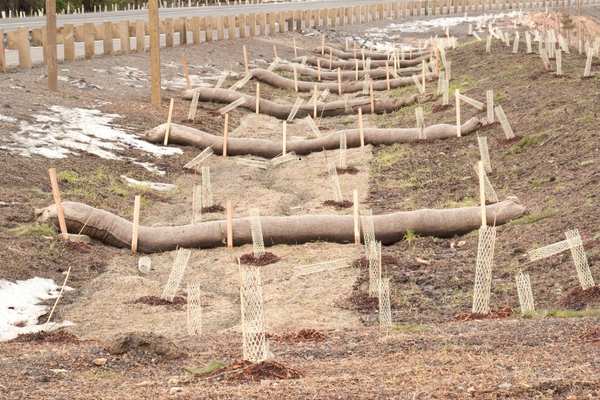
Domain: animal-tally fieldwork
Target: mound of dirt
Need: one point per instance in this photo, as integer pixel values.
(266, 259)
(246, 371)
(178, 301)
(500, 313)
(59, 336)
(577, 298)
(143, 345)
(213, 209)
(338, 204)
(303, 335)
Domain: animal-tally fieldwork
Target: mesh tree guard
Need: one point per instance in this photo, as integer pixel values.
(484, 153)
(335, 183)
(374, 259)
(525, 293)
(194, 310)
(548, 251)
(385, 309)
(179, 265)
(258, 245)
(343, 148)
(580, 259)
(207, 195)
(255, 346)
(366, 220)
(324, 266)
(483, 270)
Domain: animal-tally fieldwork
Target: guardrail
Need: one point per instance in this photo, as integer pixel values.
(24, 47)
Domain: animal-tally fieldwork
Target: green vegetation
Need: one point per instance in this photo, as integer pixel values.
(211, 367)
(410, 236)
(388, 156)
(525, 142)
(33, 230)
(464, 202)
(588, 312)
(68, 176)
(534, 217)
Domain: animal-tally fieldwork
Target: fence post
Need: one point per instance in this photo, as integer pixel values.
(24, 48)
(108, 41)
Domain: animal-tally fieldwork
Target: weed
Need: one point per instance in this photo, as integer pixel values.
(534, 217)
(525, 142)
(411, 328)
(410, 236)
(588, 312)
(211, 367)
(68, 176)
(388, 156)
(33, 230)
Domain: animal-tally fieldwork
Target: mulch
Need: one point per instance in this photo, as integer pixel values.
(59, 336)
(213, 209)
(246, 371)
(363, 262)
(338, 204)
(500, 313)
(577, 298)
(592, 335)
(303, 335)
(266, 259)
(177, 302)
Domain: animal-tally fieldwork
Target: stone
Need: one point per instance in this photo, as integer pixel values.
(99, 362)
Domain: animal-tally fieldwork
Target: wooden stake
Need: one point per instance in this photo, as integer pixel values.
(225, 134)
(330, 59)
(275, 52)
(295, 48)
(295, 79)
(229, 211)
(489, 97)
(284, 143)
(372, 97)
(356, 220)
(356, 69)
(457, 105)
(387, 75)
(50, 45)
(322, 45)
(58, 202)
(424, 67)
(361, 130)
(186, 71)
(245, 58)
(339, 75)
(168, 129)
(136, 224)
(62, 289)
(154, 51)
(316, 96)
(257, 98)
(482, 193)
(2, 56)
(318, 69)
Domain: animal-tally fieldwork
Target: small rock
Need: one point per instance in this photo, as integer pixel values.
(504, 386)
(99, 362)
(175, 390)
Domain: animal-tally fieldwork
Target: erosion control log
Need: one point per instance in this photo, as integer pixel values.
(279, 81)
(282, 110)
(347, 64)
(183, 135)
(313, 73)
(373, 55)
(389, 228)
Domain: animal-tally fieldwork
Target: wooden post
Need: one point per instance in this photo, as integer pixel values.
(229, 211)
(154, 52)
(361, 130)
(457, 105)
(372, 97)
(339, 76)
(489, 96)
(295, 48)
(424, 66)
(225, 134)
(387, 75)
(107, 41)
(322, 44)
(24, 48)
(316, 94)
(2, 56)
(275, 52)
(60, 212)
(482, 192)
(257, 98)
(330, 59)
(318, 69)
(356, 219)
(50, 49)
(295, 79)
(245, 58)
(136, 224)
(168, 32)
(89, 38)
(140, 36)
(196, 30)
(284, 132)
(124, 36)
(168, 128)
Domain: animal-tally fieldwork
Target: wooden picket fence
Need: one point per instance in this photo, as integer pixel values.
(131, 36)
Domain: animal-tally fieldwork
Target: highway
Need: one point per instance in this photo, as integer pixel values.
(10, 24)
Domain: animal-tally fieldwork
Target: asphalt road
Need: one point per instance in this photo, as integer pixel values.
(37, 22)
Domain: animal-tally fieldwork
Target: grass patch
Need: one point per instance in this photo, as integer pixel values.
(588, 312)
(525, 142)
(464, 202)
(33, 230)
(388, 156)
(211, 367)
(410, 328)
(463, 84)
(534, 217)
(68, 176)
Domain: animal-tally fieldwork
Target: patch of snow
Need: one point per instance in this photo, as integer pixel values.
(159, 187)
(60, 132)
(131, 76)
(5, 118)
(20, 308)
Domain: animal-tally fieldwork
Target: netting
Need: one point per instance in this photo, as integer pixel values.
(368, 228)
(483, 270)
(324, 266)
(343, 148)
(258, 245)
(197, 204)
(335, 183)
(580, 259)
(548, 251)
(490, 193)
(255, 346)
(525, 293)
(515, 48)
(181, 260)
(200, 158)
(295, 109)
(207, 195)
(484, 153)
(508, 132)
(194, 310)
(194, 105)
(385, 309)
(374, 259)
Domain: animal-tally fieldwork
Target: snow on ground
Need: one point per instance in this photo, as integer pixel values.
(158, 186)
(60, 132)
(20, 308)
